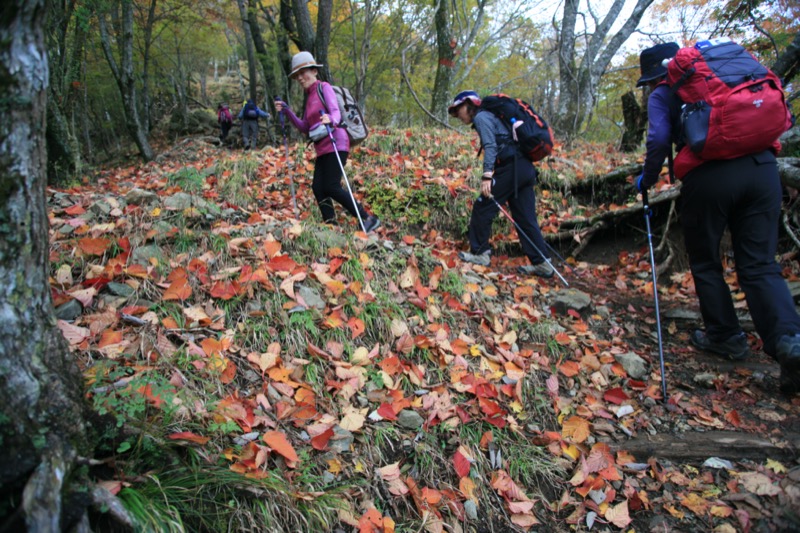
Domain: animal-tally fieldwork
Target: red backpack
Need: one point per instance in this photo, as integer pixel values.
(734, 105)
(224, 115)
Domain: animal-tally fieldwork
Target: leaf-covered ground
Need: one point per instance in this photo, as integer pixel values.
(290, 375)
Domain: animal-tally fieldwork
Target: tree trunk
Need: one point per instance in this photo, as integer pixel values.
(124, 75)
(42, 411)
(446, 53)
(251, 54)
(635, 118)
(788, 64)
(579, 78)
(323, 38)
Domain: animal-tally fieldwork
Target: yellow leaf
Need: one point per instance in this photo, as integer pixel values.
(334, 466)
(776, 467)
(155, 212)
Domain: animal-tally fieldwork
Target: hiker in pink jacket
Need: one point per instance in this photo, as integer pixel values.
(327, 184)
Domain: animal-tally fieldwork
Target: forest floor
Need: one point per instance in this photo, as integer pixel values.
(377, 383)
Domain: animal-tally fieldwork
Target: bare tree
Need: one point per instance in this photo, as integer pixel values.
(584, 57)
(121, 12)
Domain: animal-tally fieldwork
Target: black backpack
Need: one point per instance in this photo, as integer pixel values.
(250, 111)
(530, 131)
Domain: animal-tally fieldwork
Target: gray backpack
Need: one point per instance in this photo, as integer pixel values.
(352, 119)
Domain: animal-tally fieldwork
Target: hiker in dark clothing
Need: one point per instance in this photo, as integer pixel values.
(744, 195)
(249, 116)
(507, 177)
(225, 120)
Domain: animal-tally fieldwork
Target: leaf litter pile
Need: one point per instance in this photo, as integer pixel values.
(377, 383)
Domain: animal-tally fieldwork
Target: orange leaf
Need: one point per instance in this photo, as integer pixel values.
(178, 290)
(109, 337)
(277, 441)
(569, 368)
(562, 338)
(188, 435)
(356, 326)
(94, 246)
(576, 428)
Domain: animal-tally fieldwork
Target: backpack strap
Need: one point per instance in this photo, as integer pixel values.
(322, 98)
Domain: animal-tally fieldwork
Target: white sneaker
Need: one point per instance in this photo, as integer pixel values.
(477, 259)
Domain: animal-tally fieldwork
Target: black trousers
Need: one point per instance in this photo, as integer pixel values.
(327, 187)
(225, 127)
(743, 194)
(521, 198)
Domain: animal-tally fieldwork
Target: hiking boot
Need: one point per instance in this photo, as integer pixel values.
(543, 270)
(788, 355)
(371, 224)
(477, 259)
(734, 348)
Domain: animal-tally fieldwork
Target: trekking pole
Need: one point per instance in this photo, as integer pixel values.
(647, 214)
(286, 148)
(561, 259)
(347, 182)
(519, 229)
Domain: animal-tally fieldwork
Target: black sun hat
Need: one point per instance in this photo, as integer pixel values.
(651, 61)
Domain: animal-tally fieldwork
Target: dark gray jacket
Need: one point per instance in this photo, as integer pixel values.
(496, 141)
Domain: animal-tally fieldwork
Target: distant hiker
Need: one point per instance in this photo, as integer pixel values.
(742, 193)
(225, 120)
(328, 171)
(508, 176)
(249, 115)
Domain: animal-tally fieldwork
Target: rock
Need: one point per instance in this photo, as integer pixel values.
(471, 510)
(565, 299)
(143, 254)
(120, 289)
(100, 208)
(311, 297)
(179, 201)
(409, 419)
(341, 441)
(69, 311)
(635, 366)
(705, 379)
(139, 197)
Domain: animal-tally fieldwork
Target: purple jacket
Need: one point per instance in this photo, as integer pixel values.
(312, 118)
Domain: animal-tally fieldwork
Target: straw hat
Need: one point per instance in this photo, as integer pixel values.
(303, 60)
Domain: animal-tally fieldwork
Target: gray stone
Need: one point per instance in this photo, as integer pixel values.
(635, 366)
(471, 510)
(179, 201)
(120, 289)
(69, 311)
(311, 297)
(410, 419)
(341, 441)
(100, 208)
(140, 197)
(66, 229)
(705, 379)
(142, 254)
(565, 299)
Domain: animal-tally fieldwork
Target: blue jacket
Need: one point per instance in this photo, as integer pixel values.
(261, 114)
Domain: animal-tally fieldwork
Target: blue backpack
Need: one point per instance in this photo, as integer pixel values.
(250, 111)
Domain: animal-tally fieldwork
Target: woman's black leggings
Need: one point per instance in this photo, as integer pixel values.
(327, 187)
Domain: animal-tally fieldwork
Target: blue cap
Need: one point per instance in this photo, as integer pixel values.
(462, 97)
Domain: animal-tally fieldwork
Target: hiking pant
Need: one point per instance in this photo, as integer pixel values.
(743, 194)
(327, 187)
(225, 127)
(518, 192)
(249, 133)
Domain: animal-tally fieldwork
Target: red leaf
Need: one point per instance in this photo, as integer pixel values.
(387, 412)
(461, 464)
(188, 435)
(320, 442)
(615, 396)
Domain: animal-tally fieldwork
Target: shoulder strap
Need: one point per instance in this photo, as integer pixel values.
(322, 97)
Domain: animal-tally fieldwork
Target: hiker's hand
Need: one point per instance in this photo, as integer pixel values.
(279, 105)
(486, 188)
(325, 118)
